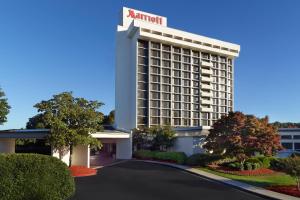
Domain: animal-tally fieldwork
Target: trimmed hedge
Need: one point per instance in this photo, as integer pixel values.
(177, 157)
(34, 177)
(202, 159)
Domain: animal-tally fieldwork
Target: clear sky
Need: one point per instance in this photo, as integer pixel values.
(51, 46)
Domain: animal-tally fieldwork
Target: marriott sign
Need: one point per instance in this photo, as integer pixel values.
(131, 14)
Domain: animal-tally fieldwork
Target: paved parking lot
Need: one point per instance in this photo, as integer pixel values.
(134, 180)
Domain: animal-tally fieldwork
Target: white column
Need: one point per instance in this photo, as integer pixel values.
(124, 148)
(63, 156)
(7, 145)
(81, 155)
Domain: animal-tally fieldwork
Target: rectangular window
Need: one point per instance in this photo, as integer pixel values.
(177, 97)
(166, 80)
(176, 57)
(166, 63)
(155, 86)
(155, 61)
(286, 137)
(176, 49)
(166, 55)
(155, 70)
(155, 104)
(166, 88)
(176, 113)
(155, 45)
(155, 53)
(166, 113)
(186, 67)
(166, 104)
(176, 65)
(166, 96)
(166, 47)
(155, 95)
(177, 89)
(155, 78)
(154, 112)
(287, 145)
(176, 73)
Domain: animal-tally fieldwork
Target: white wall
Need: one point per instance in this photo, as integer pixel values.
(7, 145)
(124, 148)
(65, 156)
(81, 155)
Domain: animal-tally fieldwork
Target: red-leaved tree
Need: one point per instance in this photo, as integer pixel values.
(241, 136)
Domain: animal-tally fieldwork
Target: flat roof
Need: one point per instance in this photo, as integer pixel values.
(25, 133)
(289, 129)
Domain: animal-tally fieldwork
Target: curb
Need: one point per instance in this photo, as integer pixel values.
(236, 184)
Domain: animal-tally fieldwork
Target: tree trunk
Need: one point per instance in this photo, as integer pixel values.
(298, 183)
(70, 158)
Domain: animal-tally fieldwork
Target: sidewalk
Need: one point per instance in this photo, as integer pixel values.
(237, 184)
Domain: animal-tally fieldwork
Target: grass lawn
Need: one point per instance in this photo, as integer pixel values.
(261, 181)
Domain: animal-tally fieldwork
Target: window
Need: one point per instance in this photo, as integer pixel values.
(196, 61)
(155, 104)
(154, 112)
(166, 80)
(166, 72)
(296, 137)
(196, 76)
(287, 145)
(142, 120)
(166, 113)
(142, 61)
(196, 53)
(142, 103)
(166, 121)
(155, 61)
(142, 94)
(186, 98)
(177, 89)
(196, 99)
(187, 106)
(155, 78)
(143, 44)
(186, 67)
(155, 53)
(196, 69)
(166, 96)
(166, 63)
(142, 86)
(166, 88)
(186, 75)
(196, 91)
(195, 114)
(166, 55)
(155, 86)
(154, 120)
(142, 111)
(297, 146)
(186, 83)
(195, 122)
(155, 45)
(196, 106)
(186, 59)
(186, 51)
(176, 65)
(143, 52)
(176, 113)
(177, 97)
(177, 81)
(176, 49)
(143, 69)
(155, 70)
(177, 105)
(155, 95)
(176, 73)
(186, 91)
(166, 104)
(166, 47)
(176, 57)
(286, 137)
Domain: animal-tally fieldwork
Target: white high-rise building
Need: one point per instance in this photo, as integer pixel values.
(168, 76)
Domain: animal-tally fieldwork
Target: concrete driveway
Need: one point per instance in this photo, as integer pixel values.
(135, 180)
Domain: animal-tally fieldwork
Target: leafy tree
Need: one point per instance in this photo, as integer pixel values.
(155, 138)
(292, 167)
(163, 137)
(71, 121)
(4, 107)
(110, 118)
(37, 122)
(241, 136)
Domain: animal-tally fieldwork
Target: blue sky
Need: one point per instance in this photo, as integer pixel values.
(51, 46)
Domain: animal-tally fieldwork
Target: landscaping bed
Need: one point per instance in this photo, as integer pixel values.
(255, 172)
(285, 189)
(80, 171)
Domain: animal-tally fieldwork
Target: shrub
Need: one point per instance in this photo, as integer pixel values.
(144, 154)
(234, 165)
(248, 166)
(178, 157)
(34, 177)
(277, 164)
(202, 159)
(265, 161)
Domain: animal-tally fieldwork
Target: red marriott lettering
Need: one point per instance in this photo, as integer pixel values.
(133, 15)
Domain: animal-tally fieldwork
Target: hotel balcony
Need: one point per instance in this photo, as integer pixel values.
(208, 64)
(206, 71)
(204, 109)
(206, 94)
(206, 86)
(206, 102)
(206, 79)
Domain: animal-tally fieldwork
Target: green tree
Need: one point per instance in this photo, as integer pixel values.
(4, 107)
(241, 136)
(71, 121)
(292, 167)
(163, 137)
(110, 118)
(36, 122)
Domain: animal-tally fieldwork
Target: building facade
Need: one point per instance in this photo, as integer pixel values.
(290, 139)
(168, 76)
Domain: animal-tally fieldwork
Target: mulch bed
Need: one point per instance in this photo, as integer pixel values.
(289, 190)
(256, 172)
(80, 171)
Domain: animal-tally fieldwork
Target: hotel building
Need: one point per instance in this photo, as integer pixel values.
(168, 76)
